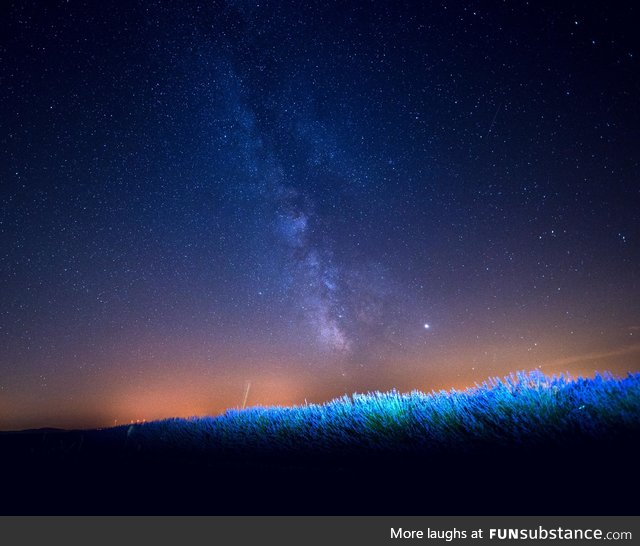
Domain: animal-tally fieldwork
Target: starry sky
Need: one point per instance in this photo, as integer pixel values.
(212, 204)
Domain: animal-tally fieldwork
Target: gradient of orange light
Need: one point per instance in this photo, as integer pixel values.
(184, 389)
(180, 397)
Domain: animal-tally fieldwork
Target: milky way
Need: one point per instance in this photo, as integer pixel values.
(329, 303)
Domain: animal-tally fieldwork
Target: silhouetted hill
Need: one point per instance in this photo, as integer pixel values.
(528, 444)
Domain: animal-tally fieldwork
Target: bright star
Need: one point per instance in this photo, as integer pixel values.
(426, 326)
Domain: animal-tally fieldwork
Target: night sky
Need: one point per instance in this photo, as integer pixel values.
(290, 201)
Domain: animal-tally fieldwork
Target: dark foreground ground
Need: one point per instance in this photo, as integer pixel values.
(100, 472)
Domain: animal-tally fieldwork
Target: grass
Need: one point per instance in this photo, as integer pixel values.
(521, 410)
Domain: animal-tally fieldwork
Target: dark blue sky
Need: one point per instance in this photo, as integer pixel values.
(201, 196)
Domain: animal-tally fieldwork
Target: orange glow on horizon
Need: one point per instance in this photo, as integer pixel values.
(194, 392)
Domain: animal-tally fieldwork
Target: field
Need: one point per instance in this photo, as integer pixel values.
(524, 444)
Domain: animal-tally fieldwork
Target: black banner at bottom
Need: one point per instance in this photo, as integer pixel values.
(312, 530)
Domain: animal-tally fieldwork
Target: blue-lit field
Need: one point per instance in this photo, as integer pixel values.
(524, 409)
(525, 443)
